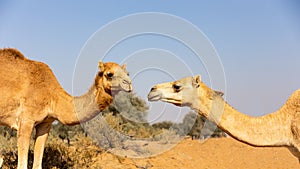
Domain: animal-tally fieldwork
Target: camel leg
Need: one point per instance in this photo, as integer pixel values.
(295, 127)
(24, 134)
(42, 132)
(295, 151)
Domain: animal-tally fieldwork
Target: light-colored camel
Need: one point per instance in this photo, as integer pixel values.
(281, 128)
(31, 97)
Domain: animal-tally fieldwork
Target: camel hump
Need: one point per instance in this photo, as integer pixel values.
(296, 95)
(294, 101)
(11, 52)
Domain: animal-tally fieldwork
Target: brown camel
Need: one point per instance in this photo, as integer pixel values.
(281, 128)
(31, 97)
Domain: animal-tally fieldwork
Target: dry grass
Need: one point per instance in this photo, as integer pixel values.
(83, 152)
(80, 153)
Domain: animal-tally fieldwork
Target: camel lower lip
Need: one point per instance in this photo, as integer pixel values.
(154, 98)
(118, 89)
(127, 88)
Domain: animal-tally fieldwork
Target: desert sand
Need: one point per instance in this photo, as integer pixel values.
(214, 153)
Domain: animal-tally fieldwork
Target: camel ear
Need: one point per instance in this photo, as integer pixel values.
(124, 66)
(196, 81)
(101, 66)
(219, 93)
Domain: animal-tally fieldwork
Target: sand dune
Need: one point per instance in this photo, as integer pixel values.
(214, 153)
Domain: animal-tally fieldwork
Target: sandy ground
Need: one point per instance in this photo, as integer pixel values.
(214, 153)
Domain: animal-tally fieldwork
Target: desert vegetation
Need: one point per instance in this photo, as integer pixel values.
(122, 129)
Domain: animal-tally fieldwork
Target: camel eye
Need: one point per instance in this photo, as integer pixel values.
(110, 75)
(176, 87)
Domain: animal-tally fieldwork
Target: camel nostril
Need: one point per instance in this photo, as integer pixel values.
(152, 89)
(126, 82)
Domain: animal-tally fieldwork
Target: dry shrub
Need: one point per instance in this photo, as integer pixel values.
(168, 137)
(55, 156)
(80, 153)
(103, 134)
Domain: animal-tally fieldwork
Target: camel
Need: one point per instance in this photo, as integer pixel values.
(281, 128)
(31, 97)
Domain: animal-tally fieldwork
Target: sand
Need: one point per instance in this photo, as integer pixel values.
(214, 153)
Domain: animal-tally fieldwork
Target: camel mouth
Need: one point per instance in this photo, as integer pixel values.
(117, 90)
(126, 86)
(127, 89)
(173, 101)
(154, 96)
(122, 87)
(158, 96)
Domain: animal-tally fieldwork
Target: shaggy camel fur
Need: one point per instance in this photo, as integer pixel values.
(281, 128)
(31, 97)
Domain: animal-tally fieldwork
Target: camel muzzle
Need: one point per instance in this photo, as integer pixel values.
(154, 95)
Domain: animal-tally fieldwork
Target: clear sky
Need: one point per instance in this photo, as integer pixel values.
(257, 41)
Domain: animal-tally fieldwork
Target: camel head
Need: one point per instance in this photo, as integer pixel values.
(113, 78)
(189, 91)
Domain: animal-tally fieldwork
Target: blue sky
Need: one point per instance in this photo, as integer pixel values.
(257, 42)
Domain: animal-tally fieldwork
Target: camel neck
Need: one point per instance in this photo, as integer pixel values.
(269, 130)
(83, 108)
(91, 104)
